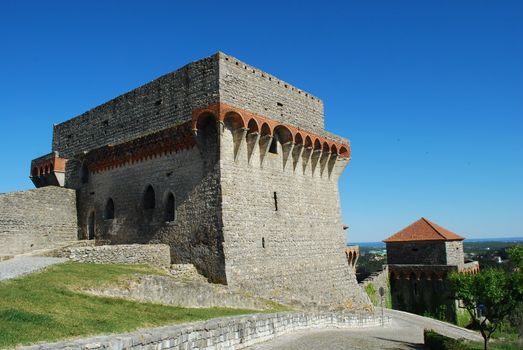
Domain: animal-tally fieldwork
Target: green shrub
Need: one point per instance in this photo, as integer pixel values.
(463, 318)
(372, 293)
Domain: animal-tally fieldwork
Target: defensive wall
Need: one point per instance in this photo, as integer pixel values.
(379, 279)
(153, 254)
(423, 289)
(223, 333)
(42, 218)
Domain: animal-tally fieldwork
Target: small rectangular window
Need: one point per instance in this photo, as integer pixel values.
(275, 202)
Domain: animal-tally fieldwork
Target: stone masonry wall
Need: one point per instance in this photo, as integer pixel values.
(455, 255)
(153, 254)
(221, 333)
(249, 88)
(42, 218)
(426, 252)
(292, 251)
(170, 99)
(423, 290)
(191, 176)
(164, 102)
(378, 279)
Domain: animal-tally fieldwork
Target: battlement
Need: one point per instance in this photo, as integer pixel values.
(263, 74)
(169, 101)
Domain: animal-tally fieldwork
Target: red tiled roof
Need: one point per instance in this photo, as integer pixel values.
(423, 230)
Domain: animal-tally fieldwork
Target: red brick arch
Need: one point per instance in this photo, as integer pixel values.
(266, 126)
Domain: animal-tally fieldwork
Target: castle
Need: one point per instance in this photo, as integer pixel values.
(228, 165)
(419, 258)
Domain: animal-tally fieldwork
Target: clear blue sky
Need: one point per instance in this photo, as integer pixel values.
(430, 93)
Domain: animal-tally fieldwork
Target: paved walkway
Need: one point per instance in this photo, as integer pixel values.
(23, 265)
(405, 332)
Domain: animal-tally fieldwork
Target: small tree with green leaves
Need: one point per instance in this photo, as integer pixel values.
(489, 296)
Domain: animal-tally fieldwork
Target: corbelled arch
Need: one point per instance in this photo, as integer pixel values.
(253, 126)
(233, 120)
(282, 134)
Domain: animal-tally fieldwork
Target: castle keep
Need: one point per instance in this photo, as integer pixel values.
(228, 165)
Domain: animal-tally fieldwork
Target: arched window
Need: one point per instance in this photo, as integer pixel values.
(170, 211)
(109, 210)
(149, 198)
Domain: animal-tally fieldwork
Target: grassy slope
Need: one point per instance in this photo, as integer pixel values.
(47, 306)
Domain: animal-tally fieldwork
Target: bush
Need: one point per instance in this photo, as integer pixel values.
(372, 293)
(436, 341)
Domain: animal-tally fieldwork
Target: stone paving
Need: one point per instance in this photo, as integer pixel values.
(405, 332)
(22, 265)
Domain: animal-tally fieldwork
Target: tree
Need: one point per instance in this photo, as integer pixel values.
(489, 296)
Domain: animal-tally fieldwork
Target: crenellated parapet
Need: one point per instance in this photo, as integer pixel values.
(420, 272)
(429, 272)
(469, 268)
(257, 136)
(48, 170)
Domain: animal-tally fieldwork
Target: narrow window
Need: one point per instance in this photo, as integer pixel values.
(109, 210)
(275, 202)
(170, 214)
(90, 226)
(273, 148)
(84, 174)
(149, 198)
(416, 289)
(263, 242)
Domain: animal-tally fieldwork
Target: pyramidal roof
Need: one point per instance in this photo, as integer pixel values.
(424, 230)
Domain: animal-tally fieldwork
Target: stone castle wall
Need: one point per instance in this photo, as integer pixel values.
(420, 252)
(379, 279)
(153, 254)
(423, 290)
(190, 174)
(162, 103)
(170, 99)
(455, 255)
(283, 235)
(251, 89)
(42, 218)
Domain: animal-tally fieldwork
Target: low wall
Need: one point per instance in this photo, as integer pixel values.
(221, 333)
(152, 254)
(189, 293)
(42, 218)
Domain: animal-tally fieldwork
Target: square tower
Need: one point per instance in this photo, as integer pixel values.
(227, 164)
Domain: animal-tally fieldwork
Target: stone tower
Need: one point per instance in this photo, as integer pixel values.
(227, 164)
(419, 258)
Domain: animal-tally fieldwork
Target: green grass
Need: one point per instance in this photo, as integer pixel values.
(50, 306)
(437, 341)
